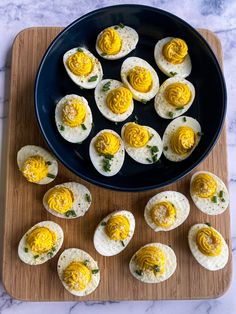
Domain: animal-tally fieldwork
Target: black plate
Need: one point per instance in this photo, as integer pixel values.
(52, 83)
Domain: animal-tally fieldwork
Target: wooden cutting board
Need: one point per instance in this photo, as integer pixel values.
(23, 208)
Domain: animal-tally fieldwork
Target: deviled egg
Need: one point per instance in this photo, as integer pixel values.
(209, 193)
(82, 67)
(114, 100)
(107, 152)
(36, 164)
(73, 118)
(166, 210)
(67, 200)
(78, 272)
(40, 243)
(114, 233)
(208, 246)
(172, 58)
(180, 138)
(142, 143)
(153, 263)
(140, 77)
(116, 41)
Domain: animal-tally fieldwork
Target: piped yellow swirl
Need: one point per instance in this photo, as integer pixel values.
(178, 94)
(163, 214)
(136, 135)
(109, 41)
(35, 169)
(80, 64)
(41, 240)
(119, 100)
(107, 143)
(204, 185)
(209, 242)
(77, 276)
(118, 227)
(140, 79)
(73, 113)
(183, 140)
(151, 258)
(175, 51)
(60, 199)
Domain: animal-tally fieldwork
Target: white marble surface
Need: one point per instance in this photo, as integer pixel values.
(217, 15)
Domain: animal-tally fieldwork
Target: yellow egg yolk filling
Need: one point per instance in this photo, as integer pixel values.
(35, 168)
(73, 113)
(178, 94)
(163, 214)
(107, 144)
(80, 64)
(140, 79)
(151, 258)
(119, 100)
(41, 240)
(209, 242)
(60, 199)
(136, 135)
(183, 140)
(175, 51)
(77, 276)
(118, 228)
(204, 185)
(109, 41)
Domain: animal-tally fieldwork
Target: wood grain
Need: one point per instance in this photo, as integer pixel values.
(23, 208)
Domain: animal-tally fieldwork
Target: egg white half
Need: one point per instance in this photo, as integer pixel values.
(172, 128)
(31, 150)
(103, 244)
(209, 262)
(128, 65)
(29, 257)
(70, 255)
(163, 108)
(149, 277)
(182, 69)
(180, 203)
(84, 81)
(100, 98)
(206, 205)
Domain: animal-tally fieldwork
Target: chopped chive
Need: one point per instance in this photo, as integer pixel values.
(149, 160)
(48, 163)
(121, 25)
(88, 197)
(208, 224)
(95, 271)
(103, 54)
(26, 250)
(123, 244)
(173, 73)
(143, 101)
(50, 254)
(61, 127)
(79, 49)
(200, 133)
(165, 148)
(214, 199)
(86, 261)
(221, 194)
(53, 249)
(139, 272)
(170, 114)
(93, 78)
(36, 256)
(156, 268)
(83, 127)
(103, 223)
(154, 158)
(106, 86)
(116, 27)
(154, 149)
(222, 200)
(151, 136)
(70, 213)
(50, 175)
(109, 156)
(184, 119)
(179, 108)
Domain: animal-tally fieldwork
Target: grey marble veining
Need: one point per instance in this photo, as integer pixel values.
(217, 15)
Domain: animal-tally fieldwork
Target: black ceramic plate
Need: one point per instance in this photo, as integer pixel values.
(52, 83)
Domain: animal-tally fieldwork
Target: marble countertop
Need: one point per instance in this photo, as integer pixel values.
(216, 15)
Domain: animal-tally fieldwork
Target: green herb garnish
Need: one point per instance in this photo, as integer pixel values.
(154, 149)
(173, 73)
(83, 127)
(165, 148)
(88, 197)
(103, 54)
(26, 250)
(123, 244)
(151, 136)
(79, 49)
(53, 249)
(62, 128)
(200, 133)
(50, 175)
(221, 194)
(109, 156)
(106, 86)
(93, 78)
(154, 158)
(139, 272)
(70, 213)
(179, 108)
(106, 165)
(214, 199)
(116, 27)
(86, 261)
(149, 160)
(184, 119)
(103, 223)
(208, 224)
(48, 163)
(121, 25)
(170, 114)
(92, 124)
(50, 254)
(222, 200)
(36, 256)
(95, 271)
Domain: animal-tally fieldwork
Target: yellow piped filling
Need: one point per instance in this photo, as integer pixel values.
(204, 185)
(73, 113)
(209, 242)
(151, 258)
(140, 79)
(118, 228)
(35, 168)
(107, 143)
(183, 140)
(109, 41)
(80, 64)
(77, 276)
(136, 135)
(163, 214)
(119, 100)
(60, 199)
(41, 240)
(175, 51)
(178, 94)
